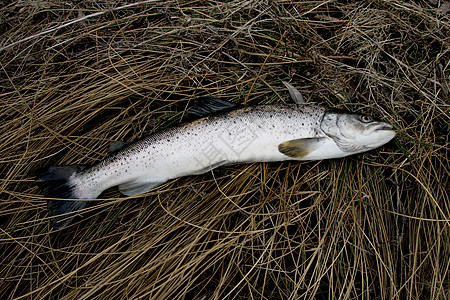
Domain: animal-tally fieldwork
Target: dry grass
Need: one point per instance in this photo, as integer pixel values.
(75, 78)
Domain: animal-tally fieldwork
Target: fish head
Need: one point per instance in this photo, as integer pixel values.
(355, 133)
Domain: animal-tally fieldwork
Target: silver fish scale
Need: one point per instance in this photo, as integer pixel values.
(245, 135)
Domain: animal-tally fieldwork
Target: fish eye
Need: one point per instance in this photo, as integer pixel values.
(365, 119)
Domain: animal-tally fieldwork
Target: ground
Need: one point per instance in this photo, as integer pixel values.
(78, 76)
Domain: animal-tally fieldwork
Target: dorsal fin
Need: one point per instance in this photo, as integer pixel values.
(295, 94)
(208, 105)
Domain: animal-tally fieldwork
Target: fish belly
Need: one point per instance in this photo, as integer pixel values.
(193, 149)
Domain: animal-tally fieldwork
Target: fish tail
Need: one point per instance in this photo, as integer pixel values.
(58, 182)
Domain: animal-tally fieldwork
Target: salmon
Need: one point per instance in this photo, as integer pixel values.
(223, 135)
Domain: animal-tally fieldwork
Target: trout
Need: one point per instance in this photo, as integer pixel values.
(223, 135)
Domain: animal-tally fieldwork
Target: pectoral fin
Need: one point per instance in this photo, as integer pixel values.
(300, 148)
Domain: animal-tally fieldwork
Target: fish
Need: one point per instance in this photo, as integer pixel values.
(222, 134)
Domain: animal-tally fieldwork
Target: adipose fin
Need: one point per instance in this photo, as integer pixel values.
(116, 146)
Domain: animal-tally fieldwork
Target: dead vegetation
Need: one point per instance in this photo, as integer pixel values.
(76, 77)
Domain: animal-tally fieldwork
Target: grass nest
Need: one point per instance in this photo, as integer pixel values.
(77, 76)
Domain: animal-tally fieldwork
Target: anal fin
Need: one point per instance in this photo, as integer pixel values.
(136, 187)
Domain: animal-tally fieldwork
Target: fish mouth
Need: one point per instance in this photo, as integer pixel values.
(384, 127)
(380, 127)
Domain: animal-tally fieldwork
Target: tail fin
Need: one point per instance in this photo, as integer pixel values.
(56, 183)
